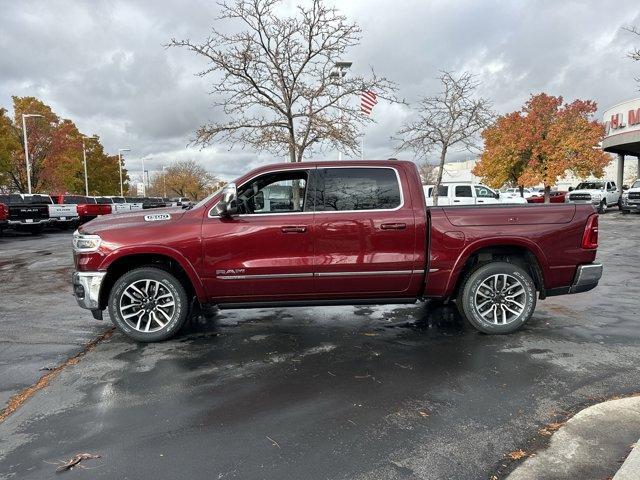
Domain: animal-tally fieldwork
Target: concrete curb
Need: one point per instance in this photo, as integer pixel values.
(590, 445)
(630, 469)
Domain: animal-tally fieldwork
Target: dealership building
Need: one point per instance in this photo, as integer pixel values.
(622, 137)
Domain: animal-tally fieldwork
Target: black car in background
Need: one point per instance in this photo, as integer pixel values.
(27, 212)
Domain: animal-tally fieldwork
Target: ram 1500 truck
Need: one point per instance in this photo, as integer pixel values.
(329, 233)
(27, 212)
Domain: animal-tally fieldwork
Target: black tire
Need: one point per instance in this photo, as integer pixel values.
(468, 305)
(625, 211)
(172, 285)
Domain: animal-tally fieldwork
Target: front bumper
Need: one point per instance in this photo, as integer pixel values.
(587, 278)
(86, 289)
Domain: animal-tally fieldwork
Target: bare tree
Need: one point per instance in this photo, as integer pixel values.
(276, 79)
(452, 117)
(185, 178)
(428, 173)
(635, 53)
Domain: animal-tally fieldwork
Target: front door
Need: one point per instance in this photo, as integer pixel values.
(265, 253)
(365, 236)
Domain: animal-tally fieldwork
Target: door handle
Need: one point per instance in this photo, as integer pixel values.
(294, 229)
(457, 201)
(393, 226)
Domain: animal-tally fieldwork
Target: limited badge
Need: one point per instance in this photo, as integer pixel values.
(156, 217)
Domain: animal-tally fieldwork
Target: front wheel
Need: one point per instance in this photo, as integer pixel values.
(148, 304)
(497, 298)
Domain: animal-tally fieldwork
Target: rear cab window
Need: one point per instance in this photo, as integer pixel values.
(463, 191)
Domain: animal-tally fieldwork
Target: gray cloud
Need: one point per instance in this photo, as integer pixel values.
(103, 64)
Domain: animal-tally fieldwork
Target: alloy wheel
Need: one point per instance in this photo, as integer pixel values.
(500, 299)
(147, 305)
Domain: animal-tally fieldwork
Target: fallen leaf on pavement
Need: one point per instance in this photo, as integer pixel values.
(75, 461)
(423, 413)
(517, 455)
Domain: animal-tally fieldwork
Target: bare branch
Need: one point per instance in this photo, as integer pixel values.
(272, 78)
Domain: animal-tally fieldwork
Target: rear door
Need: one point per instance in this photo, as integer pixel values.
(364, 232)
(462, 195)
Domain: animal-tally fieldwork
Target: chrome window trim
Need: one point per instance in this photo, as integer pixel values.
(209, 215)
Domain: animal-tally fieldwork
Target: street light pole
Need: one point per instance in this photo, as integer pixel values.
(120, 150)
(338, 73)
(144, 186)
(26, 147)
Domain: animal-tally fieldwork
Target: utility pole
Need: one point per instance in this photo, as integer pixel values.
(26, 147)
(86, 179)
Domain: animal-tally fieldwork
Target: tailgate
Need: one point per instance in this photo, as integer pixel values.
(60, 211)
(510, 215)
(28, 212)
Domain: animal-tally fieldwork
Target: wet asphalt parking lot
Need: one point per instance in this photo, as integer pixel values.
(394, 392)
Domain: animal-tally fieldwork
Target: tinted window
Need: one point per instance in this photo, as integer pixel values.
(463, 191)
(37, 199)
(340, 189)
(103, 201)
(73, 199)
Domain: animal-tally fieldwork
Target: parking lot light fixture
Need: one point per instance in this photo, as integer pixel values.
(120, 150)
(26, 147)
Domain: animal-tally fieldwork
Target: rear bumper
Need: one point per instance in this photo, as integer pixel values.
(86, 289)
(35, 221)
(586, 278)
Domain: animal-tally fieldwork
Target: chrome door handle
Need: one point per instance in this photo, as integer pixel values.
(393, 226)
(294, 229)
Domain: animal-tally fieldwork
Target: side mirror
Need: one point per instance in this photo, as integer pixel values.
(496, 195)
(625, 187)
(228, 204)
(571, 189)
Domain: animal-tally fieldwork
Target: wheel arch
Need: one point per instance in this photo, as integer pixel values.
(122, 261)
(521, 252)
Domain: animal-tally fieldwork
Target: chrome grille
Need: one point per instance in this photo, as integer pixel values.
(580, 196)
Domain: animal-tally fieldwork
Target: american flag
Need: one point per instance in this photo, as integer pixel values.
(368, 100)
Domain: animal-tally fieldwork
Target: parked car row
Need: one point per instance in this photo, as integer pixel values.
(33, 212)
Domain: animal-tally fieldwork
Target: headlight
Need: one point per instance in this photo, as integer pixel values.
(595, 196)
(86, 243)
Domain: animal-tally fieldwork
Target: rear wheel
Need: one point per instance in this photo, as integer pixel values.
(148, 304)
(497, 297)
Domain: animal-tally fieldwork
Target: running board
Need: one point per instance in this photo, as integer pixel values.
(317, 303)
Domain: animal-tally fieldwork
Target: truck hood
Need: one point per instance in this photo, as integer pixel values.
(590, 192)
(138, 219)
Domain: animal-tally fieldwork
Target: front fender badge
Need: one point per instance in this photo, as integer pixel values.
(157, 217)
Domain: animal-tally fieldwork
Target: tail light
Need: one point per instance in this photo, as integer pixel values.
(590, 235)
(82, 210)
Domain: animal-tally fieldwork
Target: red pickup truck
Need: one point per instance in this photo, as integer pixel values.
(329, 233)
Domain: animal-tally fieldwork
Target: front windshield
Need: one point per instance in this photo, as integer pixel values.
(636, 184)
(590, 186)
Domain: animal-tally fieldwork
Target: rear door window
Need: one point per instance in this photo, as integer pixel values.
(463, 191)
(353, 189)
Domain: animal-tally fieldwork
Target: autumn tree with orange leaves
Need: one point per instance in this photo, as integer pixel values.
(541, 143)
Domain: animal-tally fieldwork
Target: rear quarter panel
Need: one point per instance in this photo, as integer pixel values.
(552, 233)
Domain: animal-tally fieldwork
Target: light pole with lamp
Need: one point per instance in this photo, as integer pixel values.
(120, 150)
(84, 159)
(338, 73)
(26, 147)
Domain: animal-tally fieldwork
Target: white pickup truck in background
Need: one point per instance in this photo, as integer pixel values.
(62, 215)
(602, 194)
(468, 194)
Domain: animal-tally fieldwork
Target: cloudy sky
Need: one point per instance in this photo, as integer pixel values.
(102, 63)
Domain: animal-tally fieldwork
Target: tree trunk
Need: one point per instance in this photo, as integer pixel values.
(443, 155)
(547, 189)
